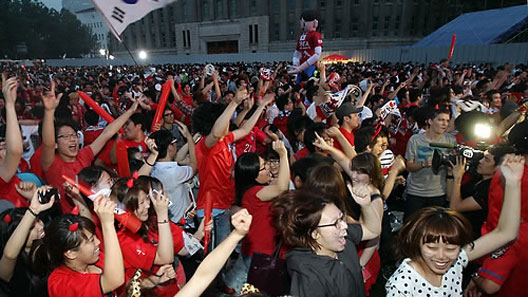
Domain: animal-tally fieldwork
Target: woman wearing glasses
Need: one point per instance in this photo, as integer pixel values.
(324, 260)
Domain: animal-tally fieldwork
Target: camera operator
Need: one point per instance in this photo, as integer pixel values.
(471, 198)
(424, 188)
(505, 271)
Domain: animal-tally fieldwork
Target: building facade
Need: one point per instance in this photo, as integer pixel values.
(251, 26)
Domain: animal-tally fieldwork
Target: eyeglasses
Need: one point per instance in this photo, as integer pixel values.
(266, 166)
(337, 224)
(168, 114)
(68, 136)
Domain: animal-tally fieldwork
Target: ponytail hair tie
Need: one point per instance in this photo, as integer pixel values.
(130, 182)
(74, 227)
(7, 219)
(436, 107)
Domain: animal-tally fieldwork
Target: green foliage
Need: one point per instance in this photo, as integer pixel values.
(28, 29)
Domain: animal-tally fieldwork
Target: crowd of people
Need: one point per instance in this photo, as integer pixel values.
(254, 175)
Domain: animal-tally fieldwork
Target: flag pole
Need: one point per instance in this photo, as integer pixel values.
(114, 32)
(131, 56)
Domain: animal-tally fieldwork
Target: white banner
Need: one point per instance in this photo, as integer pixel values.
(118, 14)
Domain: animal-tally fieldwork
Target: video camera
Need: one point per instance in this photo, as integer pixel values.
(443, 159)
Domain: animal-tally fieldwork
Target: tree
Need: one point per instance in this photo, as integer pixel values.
(28, 29)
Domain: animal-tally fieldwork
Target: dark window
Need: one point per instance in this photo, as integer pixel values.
(250, 33)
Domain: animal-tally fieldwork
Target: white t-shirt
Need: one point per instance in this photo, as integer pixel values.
(406, 282)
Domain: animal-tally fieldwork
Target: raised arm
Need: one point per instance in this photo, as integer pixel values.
(221, 124)
(217, 86)
(365, 96)
(112, 129)
(347, 148)
(398, 166)
(250, 123)
(283, 180)
(17, 240)
(336, 154)
(165, 252)
(13, 139)
(51, 101)
(114, 270)
(507, 229)
(146, 168)
(190, 145)
(212, 264)
(371, 210)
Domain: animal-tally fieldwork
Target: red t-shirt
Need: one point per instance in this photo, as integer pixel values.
(9, 192)
(140, 254)
(90, 134)
(215, 165)
(23, 166)
(301, 153)
(65, 282)
(36, 167)
(60, 167)
(261, 236)
(496, 196)
(307, 43)
(104, 155)
(348, 135)
(248, 144)
(282, 124)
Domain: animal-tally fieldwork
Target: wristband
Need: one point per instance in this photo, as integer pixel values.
(32, 212)
(163, 222)
(151, 165)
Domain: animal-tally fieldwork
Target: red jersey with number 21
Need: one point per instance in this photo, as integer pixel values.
(307, 43)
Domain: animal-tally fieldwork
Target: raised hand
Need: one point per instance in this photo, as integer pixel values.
(268, 98)
(160, 203)
(248, 104)
(333, 131)
(151, 145)
(49, 99)
(241, 221)
(512, 167)
(26, 189)
(241, 95)
(360, 193)
(184, 130)
(134, 106)
(321, 143)
(279, 147)
(104, 208)
(9, 88)
(35, 204)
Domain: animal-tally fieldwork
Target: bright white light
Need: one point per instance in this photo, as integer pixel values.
(111, 57)
(482, 131)
(102, 52)
(142, 55)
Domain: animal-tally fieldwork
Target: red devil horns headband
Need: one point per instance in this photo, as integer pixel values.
(74, 227)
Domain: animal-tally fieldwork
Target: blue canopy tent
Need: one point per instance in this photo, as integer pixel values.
(479, 28)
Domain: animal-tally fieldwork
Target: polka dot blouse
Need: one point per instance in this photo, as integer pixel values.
(407, 282)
